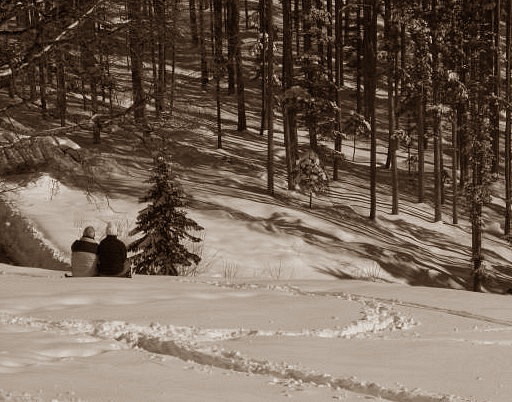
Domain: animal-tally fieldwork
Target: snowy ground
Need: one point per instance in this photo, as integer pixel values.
(161, 339)
(268, 319)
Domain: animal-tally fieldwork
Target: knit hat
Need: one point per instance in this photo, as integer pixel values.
(89, 232)
(111, 229)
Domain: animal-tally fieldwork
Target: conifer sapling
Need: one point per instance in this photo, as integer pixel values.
(164, 226)
(311, 176)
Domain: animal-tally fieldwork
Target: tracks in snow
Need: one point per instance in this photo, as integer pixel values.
(196, 345)
(366, 299)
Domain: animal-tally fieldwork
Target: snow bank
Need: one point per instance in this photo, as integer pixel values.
(26, 245)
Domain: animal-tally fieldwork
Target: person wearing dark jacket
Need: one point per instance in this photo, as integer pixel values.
(84, 254)
(112, 255)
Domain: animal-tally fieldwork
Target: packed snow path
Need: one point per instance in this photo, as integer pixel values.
(307, 340)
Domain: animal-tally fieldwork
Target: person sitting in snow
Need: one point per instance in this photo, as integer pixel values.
(112, 255)
(84, 254)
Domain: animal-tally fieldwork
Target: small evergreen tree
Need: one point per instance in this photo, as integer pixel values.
(311, 176)
(164, 224)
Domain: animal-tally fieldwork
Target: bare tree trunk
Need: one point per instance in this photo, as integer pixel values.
(420, 127)
(370, 53)
(359, 47)
(217, 11)
(437, 118)
(193, 21)
(455, 159)
(161, 29)
(270, 97)
(202, 46)
(246, 9)
(61, 87)
(232, 33)
(390, 69)
(507, 121)
(152, 44)
(263, 39)
(42, 85)
(174, 34)
(240, 80)
(136, 47)
(88, 50)
(289, 114)
(476, 212)
(495, 105)
(393, 141)
(296, 23)
(338, 65)
(329, 42)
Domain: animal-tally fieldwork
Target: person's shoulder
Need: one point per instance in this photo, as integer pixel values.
(87, 245)
(120, 242)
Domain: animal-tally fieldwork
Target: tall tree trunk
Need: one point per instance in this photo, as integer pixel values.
(359, 51)
(455, 158)
(370, 59)
(308, 53)
(393, 141)
(193, 21)
(246, 9)
(152, 44)
(232, 33)
(160, 8)
(263, 74)
(306, 25)
(329, 42)
(390, 78)
(420, 127)
(61, 86)
(495, 104)
(463, 140)
(338, 80)
(42, 85)
(42, 67)
(136, 49)
(89, 49)
(202, 46)
(172, 50)
(217, 11)
(320, 51)
(289, 114)
(437, 117)
(508, 124)
(270, 97)
(476, 207)
(296, 26)
(240, 80)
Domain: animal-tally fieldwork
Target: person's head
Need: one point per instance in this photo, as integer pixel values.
(89, 232)
(111, 229)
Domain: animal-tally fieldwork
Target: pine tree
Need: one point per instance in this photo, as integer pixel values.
(311, 176)
(164, 224)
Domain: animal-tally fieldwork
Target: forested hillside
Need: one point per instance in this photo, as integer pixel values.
(402, 107)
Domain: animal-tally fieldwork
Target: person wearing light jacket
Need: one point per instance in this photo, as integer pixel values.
(84, 257)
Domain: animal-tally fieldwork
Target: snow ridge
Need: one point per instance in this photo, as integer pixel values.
(377, 315)
(192, 344)
(362, 299)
